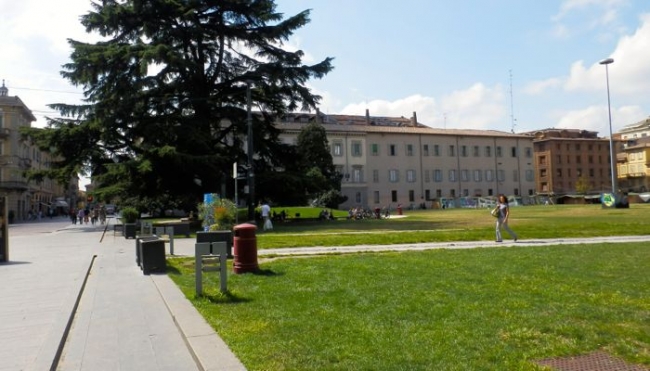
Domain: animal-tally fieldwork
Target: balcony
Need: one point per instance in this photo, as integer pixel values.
(17, 186)
(13, 160)
(5, 132)
(636, 175)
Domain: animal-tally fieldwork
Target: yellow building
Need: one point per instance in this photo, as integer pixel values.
(17, 156)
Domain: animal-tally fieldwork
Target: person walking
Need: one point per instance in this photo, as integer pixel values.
(266, 217)
(502, 219)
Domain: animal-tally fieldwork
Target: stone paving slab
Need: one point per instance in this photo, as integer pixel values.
(122, 321)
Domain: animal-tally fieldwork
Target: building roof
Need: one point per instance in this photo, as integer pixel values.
(641, 125)
(8, 101)
(382, 124)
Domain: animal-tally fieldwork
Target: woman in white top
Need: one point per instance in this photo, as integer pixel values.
(502, 220)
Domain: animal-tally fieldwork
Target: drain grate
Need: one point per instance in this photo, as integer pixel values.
(597, 361)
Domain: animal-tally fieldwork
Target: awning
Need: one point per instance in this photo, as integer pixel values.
(60, 203)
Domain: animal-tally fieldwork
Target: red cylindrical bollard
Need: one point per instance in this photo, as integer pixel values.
(245, 249)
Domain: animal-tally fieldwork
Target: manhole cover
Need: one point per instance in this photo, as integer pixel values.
(597, 361)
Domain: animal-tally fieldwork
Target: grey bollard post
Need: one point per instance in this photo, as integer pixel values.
(203, 257)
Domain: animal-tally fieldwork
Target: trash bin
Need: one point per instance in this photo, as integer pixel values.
(138, 248)
(245, 249)
(152, 255)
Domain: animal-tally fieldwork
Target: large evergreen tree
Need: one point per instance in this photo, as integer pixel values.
(165, 94)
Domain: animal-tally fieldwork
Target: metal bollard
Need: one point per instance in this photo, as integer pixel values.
(204, 261)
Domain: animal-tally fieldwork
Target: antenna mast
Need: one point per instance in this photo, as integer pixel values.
(512, 107)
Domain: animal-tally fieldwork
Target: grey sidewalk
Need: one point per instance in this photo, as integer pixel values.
(124, 320)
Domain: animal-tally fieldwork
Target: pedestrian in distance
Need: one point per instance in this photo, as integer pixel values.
(502, 218)
(266, 217)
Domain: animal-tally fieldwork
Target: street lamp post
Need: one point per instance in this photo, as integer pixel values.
(607, 62)
(249, 149)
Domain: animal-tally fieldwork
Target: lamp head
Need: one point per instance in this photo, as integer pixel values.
(607, 61)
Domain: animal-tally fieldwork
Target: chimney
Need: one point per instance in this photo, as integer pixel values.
(367, 116)
(414, 119)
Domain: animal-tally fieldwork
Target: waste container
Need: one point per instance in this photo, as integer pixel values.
(152, 255)
(245, 249)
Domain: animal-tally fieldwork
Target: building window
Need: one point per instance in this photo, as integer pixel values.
(409, 150)
(464, 175)
(513, 152)
(427, 194)
(393, 196)
(501, 175)
(578, 159)
(488, 176)
(438, 193)
(357, 197)
(452, 175)
(375, 196)
(499, 152)
(530, 175)
(515, 175)
(436, 150)
(427, 179)
(477, 151)
(393, 175)
(411, 196)
(477, 176)
(374, 149)
(410, 176)
(437, 175)
(463, 151)
(465, 192)
(528, 152)
(357, 175)
(356, 149)
(425, 150)
(375, 176)
(488, 151)
(452, 151)
(392, 150)
(452, 193)
(338, 149)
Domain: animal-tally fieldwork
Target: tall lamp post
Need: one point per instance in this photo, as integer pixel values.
(249, 150)
(607, 62)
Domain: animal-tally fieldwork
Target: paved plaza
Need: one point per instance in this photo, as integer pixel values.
(74, 299)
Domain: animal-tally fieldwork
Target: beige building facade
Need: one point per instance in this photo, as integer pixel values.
(391, 162)
(17, 155)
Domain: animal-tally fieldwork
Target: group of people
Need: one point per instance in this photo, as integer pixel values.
(88, 215)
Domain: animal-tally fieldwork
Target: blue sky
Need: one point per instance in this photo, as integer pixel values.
(481, 64)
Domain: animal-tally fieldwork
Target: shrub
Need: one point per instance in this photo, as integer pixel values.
(219, 214)
(129, 214)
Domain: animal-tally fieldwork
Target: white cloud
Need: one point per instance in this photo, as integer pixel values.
(425, 108)
(538, 87)
(568, 6)
(596, 118)
(477, 107)
(629, 74)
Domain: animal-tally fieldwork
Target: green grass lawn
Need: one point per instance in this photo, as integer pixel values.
(499, 308)
(462, 225)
